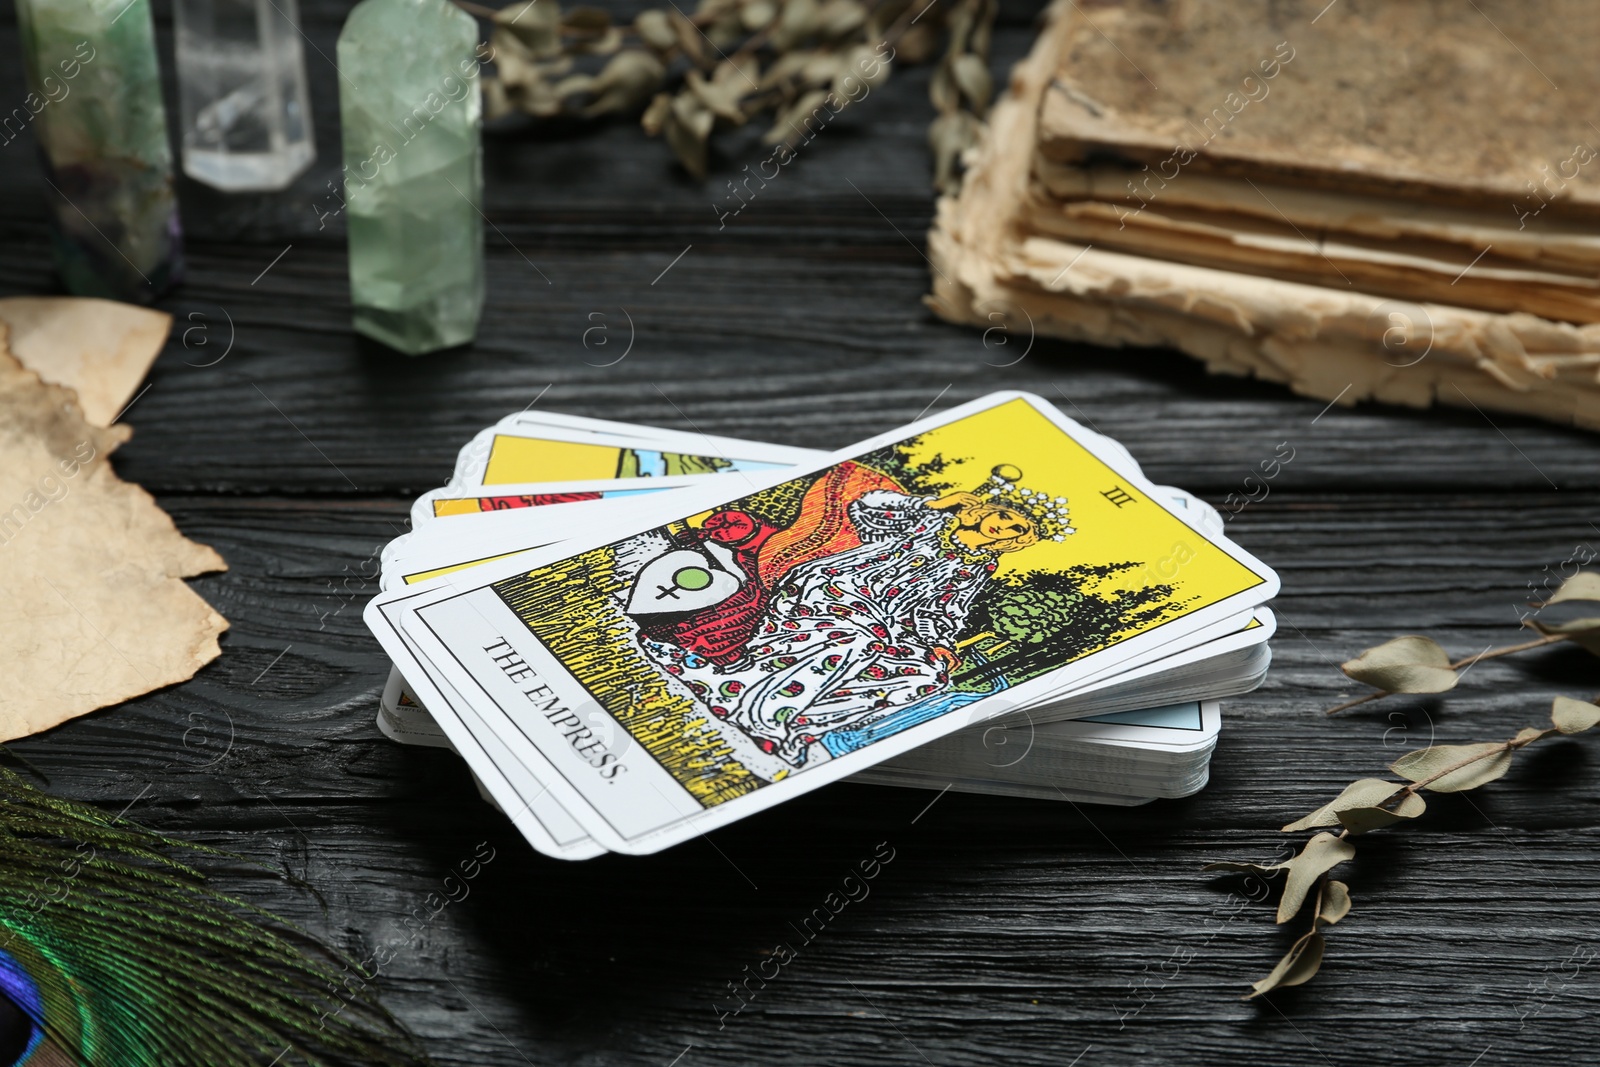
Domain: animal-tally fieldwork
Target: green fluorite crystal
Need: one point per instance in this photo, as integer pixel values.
(409, 102)
(95, 106)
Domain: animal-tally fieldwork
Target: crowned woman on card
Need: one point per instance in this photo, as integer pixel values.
(855, 633)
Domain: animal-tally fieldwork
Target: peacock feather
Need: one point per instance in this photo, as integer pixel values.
(114, 952)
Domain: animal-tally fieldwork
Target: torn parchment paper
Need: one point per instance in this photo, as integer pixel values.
(93, 607)
(101, 349)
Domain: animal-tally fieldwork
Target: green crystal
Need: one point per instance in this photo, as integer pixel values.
(95, 106)
(413, 169)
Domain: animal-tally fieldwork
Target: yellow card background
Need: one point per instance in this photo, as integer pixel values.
(532, 459)
(1016, 433)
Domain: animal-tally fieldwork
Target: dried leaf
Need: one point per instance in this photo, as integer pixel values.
(821, 69)
(1585, 633)
(784, 68)
(687, 36)
(1574, 716)
(792, 122)
(1527, 735)
(496, 103)
(656, 113)
(1489, 760)
(723, 104)
(841, 18)
(726, 32)
(950, 135)
(797, 22)
(536, 97)
(655, 30)
(757, 15)
(1360, 820)
(535, 23)
(553, 68)
(1404, 665)
(859, 71)
(605, 44)
(573, 86)
(687, 128)
(741, 73)
(625, 82)
(1335, 902)
(1297, 967)
(1363, 793)
(983, 29)
(591, 20)
(1322, 853)
(942, 90)
(917, 45)
(870, 63)
(972, 78)
(1585, 585)
(512, 59)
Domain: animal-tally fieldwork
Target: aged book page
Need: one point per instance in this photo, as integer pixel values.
(1542, 241)
(1415, 269)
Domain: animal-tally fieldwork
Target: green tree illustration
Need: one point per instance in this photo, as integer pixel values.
(1045, 618)
(918, 479)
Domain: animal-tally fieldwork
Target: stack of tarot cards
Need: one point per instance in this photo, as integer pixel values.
(634, 635)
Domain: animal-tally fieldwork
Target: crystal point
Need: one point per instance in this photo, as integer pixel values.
(410, 106)
(246, 113)
(96, 111)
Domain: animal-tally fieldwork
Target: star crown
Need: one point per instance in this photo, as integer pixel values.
(1049, 514)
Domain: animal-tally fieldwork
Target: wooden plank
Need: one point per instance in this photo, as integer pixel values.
(812, 349)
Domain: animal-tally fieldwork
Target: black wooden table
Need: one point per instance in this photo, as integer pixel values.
(1003, 930)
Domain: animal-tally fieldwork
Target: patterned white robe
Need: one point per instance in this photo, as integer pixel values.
(847, 638)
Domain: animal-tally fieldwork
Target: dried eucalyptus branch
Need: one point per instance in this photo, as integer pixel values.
(1373, 803)
(961, 90)
(800, 62)
(1417, 664)
(1411, 664)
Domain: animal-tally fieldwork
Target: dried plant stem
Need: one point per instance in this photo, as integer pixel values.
(1411, 663)
(687, 76)
(1359, 700)
(900, 25)
(1492, 653)
(1402, 793)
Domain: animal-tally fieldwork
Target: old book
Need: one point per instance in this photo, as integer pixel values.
(1341, 344)
(1482, 104)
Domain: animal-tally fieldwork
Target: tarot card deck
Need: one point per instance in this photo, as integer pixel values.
(634, 635)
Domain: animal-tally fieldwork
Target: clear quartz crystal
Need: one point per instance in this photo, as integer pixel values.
(413, 173)
(242, 93)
